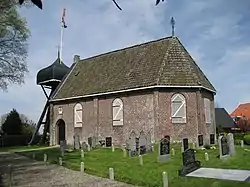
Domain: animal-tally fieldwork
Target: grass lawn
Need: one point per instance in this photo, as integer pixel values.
(128, 169)
(20, 148)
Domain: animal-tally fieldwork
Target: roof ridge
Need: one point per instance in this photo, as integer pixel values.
(195, 64)
(163, 62)
(125, 48)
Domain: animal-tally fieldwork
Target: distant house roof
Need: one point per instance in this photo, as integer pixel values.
(242, 110)
(223, 118)
(163, 62)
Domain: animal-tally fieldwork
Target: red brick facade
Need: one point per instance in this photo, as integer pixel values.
(143, 111)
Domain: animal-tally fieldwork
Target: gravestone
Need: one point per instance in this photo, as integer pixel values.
(108, 141)
(190, 164)
(148, 142)
(90, 142)
(94, 142)
(164, 149)
(84, 146)
(142, 143)
(230, 140)
(185, 144)
(212, 139)
(224, 149)
(63, 146)
(76, 142)
(200, 140)
(137, 144)
(131, 145)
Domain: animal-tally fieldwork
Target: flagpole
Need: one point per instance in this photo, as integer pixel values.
(61, 43)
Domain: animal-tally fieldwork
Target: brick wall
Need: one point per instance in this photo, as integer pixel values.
(143, 111)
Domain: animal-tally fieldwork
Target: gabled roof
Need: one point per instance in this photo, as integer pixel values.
(223, 118)
(242, 110)
(164, 62)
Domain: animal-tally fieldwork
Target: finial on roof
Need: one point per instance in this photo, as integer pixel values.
(58, 53)
(173, 24)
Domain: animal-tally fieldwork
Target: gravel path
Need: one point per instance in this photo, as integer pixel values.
(27, 173)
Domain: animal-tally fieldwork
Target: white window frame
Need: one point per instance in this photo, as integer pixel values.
(117, 103)
(174, 117)
(207, 110)
(78, 111)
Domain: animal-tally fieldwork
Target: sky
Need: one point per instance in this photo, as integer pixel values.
(215, 32)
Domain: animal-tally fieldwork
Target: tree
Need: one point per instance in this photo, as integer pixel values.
(28, 126)
(243, 123)
(14, 35)
(39, 4)
(12, 124)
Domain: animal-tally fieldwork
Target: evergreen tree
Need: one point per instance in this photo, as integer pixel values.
(13, 124)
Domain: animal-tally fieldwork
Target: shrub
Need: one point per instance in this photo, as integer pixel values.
(206, 146)
(237, 142)
(246, 139)
(238, 136)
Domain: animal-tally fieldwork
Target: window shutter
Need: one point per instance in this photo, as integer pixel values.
(178, 109)
(117, 112)
(78, 115)
(207, 108)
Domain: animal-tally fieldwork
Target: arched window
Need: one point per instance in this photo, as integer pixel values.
(117, 107)
(207, 108)
(78, 115)
(178, 108)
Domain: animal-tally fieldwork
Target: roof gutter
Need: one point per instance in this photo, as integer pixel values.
(129, 90)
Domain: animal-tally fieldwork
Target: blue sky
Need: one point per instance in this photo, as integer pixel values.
(215, 32)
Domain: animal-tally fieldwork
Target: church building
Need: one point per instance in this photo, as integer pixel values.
(154, 87)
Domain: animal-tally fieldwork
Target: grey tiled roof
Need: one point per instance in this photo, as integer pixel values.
(161, 62)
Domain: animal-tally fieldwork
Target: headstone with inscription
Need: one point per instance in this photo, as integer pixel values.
(142, 143)
(164, 149)
(108, 141)
(230, 140)
(190, 164)
(200, 140)
(212, 139)
(185, 144)
(223, 146)
(131, 144)
(148, 142)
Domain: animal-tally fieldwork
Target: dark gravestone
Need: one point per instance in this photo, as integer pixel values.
(76, 142)
(224, 146)
(212, 139)
(164, 149)
(185, 144)
(108, 141)
(137, 144)
(90, 142)
(142, 143)
(84, 146)
(190, 164)
(200, 140)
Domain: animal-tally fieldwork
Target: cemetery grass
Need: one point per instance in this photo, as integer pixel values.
(128, 169)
